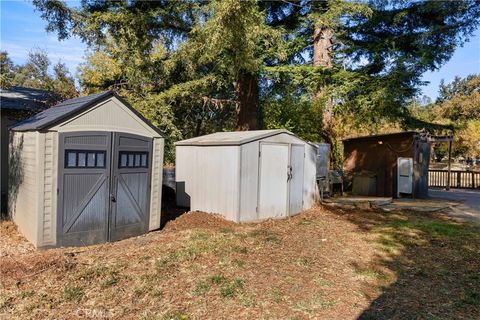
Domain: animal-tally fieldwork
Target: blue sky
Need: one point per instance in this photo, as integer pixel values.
(22, 30)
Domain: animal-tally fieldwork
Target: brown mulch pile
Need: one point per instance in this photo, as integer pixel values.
(198, 220)
(11, 241)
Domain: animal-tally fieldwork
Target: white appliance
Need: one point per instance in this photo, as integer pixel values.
(404, 176)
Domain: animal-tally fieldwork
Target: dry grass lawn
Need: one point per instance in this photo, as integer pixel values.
(320, 264)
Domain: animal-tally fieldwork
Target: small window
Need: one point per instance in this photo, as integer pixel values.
(133, 159)
(71, 159)
(91, 159)
(100, 157)
(81, 162)
(84, 159)
(123, 160)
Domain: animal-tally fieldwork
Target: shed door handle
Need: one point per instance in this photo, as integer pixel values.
(112, 198)
(289, 173)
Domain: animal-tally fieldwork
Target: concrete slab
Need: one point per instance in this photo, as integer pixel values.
(464, 203)
(461, 204)
(360, 200)
(422, 205)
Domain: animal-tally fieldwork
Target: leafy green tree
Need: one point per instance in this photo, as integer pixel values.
(35, 73)
(6, 70)
(236, 37)
(457, 110)
(459, 105)
(137, 48)
(459, 100)
(223, 40)
(63, 83)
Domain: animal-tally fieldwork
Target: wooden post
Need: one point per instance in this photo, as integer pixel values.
(449, 163)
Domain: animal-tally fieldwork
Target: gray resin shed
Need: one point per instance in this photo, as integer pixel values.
(246, 176)
(86, 171)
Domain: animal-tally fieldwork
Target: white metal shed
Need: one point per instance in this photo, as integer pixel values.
(86, 171)
(247, 175)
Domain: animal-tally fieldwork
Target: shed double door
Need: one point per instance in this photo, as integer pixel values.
(280, 179)
(103, 187)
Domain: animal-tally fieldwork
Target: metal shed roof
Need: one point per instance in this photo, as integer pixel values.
(68, 108)
(26, 99)
(231, 138)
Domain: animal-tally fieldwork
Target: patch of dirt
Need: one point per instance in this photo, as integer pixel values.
(16, 269)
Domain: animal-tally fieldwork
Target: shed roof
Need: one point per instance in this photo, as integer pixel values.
(68, 108)
(26, 99)
(235, 138)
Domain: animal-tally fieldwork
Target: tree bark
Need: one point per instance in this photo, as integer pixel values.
(322, 56)
(248, 101)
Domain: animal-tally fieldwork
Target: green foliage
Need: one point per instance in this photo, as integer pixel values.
(231, 289)
(236, 36)
(73, 293)
(459, 100)
(457, 109)
(35, 73)
(201, 288)
(63, 83)
(161, 115)
(182, 63)
(6, 70)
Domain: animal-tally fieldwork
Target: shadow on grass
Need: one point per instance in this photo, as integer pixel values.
(436, 263)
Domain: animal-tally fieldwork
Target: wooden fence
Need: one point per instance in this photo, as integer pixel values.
(458, 179)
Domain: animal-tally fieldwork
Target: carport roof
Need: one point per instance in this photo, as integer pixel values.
(68, 108)
(231, 138)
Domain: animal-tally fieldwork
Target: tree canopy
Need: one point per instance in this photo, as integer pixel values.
(314, 67)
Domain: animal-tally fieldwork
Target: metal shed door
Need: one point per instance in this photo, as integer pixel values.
(297, 157)
(83, 186)
(130, 193)
(273, 186)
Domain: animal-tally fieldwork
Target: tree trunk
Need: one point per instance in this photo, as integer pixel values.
(248, 103)
(322, 56)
